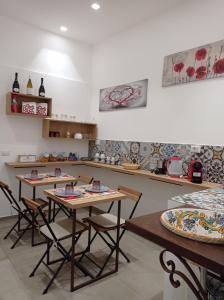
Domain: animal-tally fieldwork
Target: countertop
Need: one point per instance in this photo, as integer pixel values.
(209, 199)
(119, 169)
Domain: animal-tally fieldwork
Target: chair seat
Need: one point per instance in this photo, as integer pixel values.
(42, 202)
(62, 229)
(105, 220)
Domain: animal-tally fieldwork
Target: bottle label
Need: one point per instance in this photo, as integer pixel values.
(16, 90)
(29, 91)
(196, 174)
(42, 94)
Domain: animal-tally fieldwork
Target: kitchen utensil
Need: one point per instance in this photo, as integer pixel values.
(175, 166)
(195, 171)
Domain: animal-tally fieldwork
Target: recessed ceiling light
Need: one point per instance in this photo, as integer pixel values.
(63, 28)
(95, 6)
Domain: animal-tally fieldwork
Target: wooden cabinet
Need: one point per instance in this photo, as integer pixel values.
(53, 128)
(20, 98)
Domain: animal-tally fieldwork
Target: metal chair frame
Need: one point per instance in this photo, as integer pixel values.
(99, 231)
(21, 214)
(33, 207)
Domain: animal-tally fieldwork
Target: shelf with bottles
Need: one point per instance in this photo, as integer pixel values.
(28, 105)
(58, 129)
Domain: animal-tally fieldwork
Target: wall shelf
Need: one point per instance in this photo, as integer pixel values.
(61, 127)
(27, 98)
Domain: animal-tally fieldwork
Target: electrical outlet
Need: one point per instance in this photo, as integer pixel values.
(4, 153)
(196, 149)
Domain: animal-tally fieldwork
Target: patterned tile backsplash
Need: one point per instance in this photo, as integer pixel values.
(144, 153)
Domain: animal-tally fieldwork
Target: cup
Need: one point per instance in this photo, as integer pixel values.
(69, 189)
(96, 185)
(34, 174)
(57, 172)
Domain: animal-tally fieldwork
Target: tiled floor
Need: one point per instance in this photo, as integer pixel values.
(142, 279)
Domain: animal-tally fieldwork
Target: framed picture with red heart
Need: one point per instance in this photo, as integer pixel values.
(130, 95)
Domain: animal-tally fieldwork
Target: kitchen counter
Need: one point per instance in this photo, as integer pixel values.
(209, 199)
(119, 169)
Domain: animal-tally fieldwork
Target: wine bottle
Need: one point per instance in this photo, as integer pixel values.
(14, 106)
(29, 87)
(42, 89)
(15, 86)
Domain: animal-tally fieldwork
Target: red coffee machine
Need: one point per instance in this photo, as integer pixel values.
(195, 171)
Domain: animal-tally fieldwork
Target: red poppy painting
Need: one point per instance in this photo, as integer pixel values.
(205, 62)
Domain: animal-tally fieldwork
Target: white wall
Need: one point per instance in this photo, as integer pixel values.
(66, 67)
(191, 113)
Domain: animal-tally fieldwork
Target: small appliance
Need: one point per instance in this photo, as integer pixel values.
(175, 166)
(195, 171)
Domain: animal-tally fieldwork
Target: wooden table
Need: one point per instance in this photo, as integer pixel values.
(87, 201)
(209, 256)
(48, 180)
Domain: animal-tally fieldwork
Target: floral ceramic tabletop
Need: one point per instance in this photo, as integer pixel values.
(209, 199)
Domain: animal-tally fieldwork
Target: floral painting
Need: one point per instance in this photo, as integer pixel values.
(130, 95)
(194, 65)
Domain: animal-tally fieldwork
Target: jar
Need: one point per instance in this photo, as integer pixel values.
(96, 157)
(102, 158)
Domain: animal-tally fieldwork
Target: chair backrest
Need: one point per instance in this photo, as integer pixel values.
(85, 179)
(31, 204)
(9, 195)
(131, 194)
(35, 208)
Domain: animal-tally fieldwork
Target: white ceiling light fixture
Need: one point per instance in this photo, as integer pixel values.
(63, 28)
(95, 6)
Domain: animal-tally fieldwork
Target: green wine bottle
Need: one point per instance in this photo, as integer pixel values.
(29, 87)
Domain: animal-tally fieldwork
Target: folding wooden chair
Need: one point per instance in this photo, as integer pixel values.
(106, 222)
(21, 214)
(55, 233)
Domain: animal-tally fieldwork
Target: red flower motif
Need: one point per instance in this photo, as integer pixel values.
(178, 67)
(190, 71)
(218, 66)
(201, 72)
(200, 54)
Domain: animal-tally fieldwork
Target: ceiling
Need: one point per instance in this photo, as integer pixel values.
(83, 22)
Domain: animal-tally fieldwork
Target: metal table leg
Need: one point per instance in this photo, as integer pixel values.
(54, 206)
(203, 275)
(100, 275)
(73, 249)
(193, 282)
(34, 193)
(118, 234)
(89, 231)
(20, 190)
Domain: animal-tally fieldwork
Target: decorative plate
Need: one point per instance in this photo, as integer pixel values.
(52, 174)
(29, 177)
(63, 194)
(102, 189)
(196, 224)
